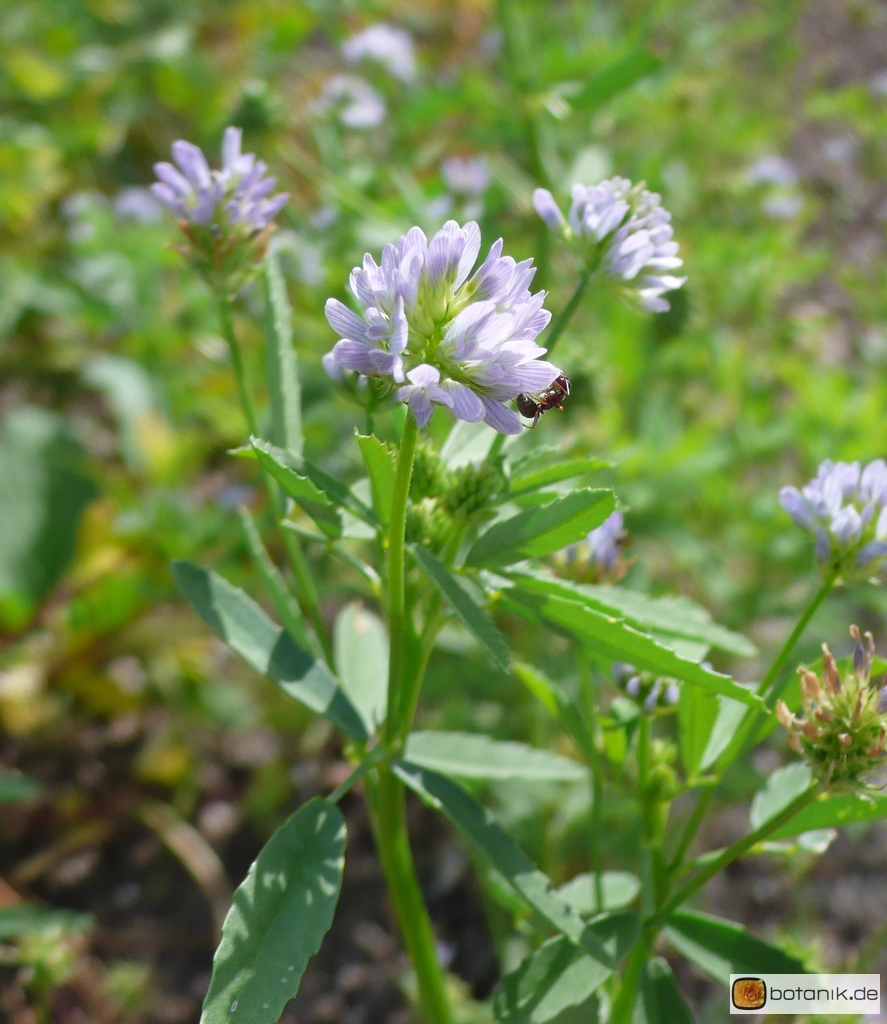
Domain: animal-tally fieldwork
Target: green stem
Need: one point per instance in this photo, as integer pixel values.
(246, 402)
(396, 533)
(594, 824)
(733, 853)
(566, 314)
(623, 1004)
(692, 828)
(388, 810)
(771, 677)
(308, 596)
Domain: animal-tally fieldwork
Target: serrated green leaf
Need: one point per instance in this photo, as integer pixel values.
(27, 919)
(666, 616)
(659, 999)
(475, 756)
(336, 492)
(281, 362)
(619, 888)
(279, 916)
(722, 948)
(234, 617)
(470, 613)
(530, 478)
(781, 787)
(536, 532)
(310, 498)
(494, 843)
(380, 462)
(17, 788)
(614, 640)
(697, 714)
(360, 643)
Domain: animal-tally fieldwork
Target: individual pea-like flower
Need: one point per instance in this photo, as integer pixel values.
(599, 556)
(843, 732)
(445, 335)
(226, 215)
(646, 688)
(845, 508)
(623, 234)
(388, 45)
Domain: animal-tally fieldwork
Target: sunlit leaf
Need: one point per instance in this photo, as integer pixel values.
(475, 756)
(380, 462)
(360, 642)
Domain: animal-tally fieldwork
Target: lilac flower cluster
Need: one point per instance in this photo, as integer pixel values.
(237, 197)
(648, 690)
(444, 335)
(597, 556)
(845, 508)
(623, 233)
(390, 46)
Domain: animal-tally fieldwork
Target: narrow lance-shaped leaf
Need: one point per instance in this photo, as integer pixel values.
(282, 365)
(360, 642)
(470, 613)
(659, 999)
(475, 756)
(722, 948)
(489, 839)
(310, 498)
(278, 919)
(614, 640)
(541, 531)
(621, 75)
(336, 491)
(380, 463)
(275, 585)
(240, 622)
(529, 477)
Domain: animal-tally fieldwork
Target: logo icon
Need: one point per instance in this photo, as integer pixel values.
(749, 993)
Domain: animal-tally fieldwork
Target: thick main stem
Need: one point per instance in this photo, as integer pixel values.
(396, 584)
(388, 805)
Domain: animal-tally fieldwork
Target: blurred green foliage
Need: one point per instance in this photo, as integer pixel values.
(119, 404)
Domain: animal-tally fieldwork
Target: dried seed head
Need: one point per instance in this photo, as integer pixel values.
(830, 670)
(846, 740)
(785, 717)
(794, 742)
(810, 685)
(809, 729)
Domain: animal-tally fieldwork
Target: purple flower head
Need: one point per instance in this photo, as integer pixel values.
(235, 199)
(390, 46)
(624, 234)
(845, 508)
(603, 543)
(448, 336)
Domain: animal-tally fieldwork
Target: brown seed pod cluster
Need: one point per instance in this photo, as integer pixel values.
(843, 731)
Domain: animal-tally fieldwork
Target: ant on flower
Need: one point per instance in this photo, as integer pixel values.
(551, 398)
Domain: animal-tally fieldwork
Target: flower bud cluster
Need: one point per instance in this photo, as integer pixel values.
(845, 508)
(226, 215)
(843, 732)
(622, 232)
(645, 688)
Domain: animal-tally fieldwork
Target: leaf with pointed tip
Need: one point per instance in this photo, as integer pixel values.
(380, 462)
(466, 755)
(360, 642)
(279, 916)
(281, 362)
(614, 640)
(541, 531)
(472, 615)
(234, 617)
(311, 499)
(722, 948)
(494, 843)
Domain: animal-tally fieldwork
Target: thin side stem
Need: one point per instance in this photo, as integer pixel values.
(388, 809)
(771, 677)
(734, 852)
(691, 828)
(396, 531)
(566, 314)
(308, 596)
(227, 326)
